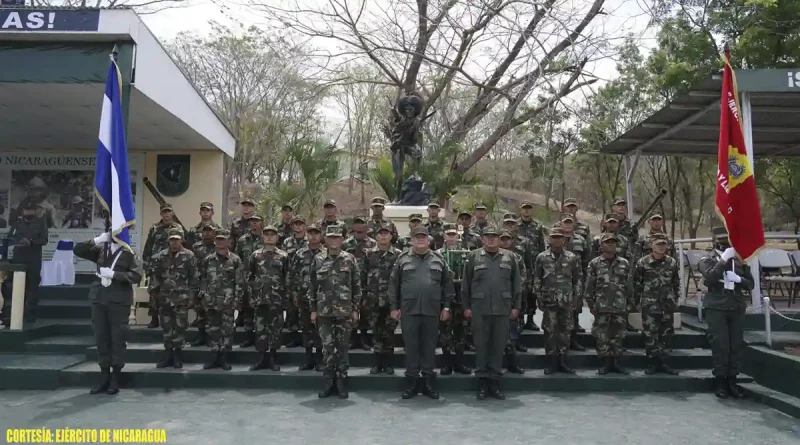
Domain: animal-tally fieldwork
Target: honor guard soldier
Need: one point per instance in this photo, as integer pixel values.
(656, 288)
(221, 281)
(157, 240)
(297, 240)
(609, 295)
(435, 225)
(377, 220)
(531, 230)
(111, 297)
(195, 234)
(453, 331)
(299, 284)
(285, 228)
(357, 245)
(377, 269)
(330, 218)
(335, 297)
(512, 345)
(245, 246)
(727, 277)
(175, 282)
(420, 291)
(576, 244)
(491, 293)
(241, 225)
(202, 249)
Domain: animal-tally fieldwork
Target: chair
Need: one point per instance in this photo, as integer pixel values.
(692, 260)
(60, 270)
(778, 271)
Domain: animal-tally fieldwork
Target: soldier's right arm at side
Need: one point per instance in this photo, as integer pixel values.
(591, 278)
(355, 278)
(638, 282)
(466, 282)
(88, 250)
(312, 288)
(537, 275)
(194, 276)
(394, 285)
(577, 281)
(154, 273)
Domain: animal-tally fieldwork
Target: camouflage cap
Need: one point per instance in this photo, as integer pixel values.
(464, 213)
(287, 206)
(77, 200)
(299, 219)
(269, 228)
(415, 217)
(506, 234)
(314, 228)
(421, 230)
(378, 202)
(256, 217)
(658, 238)
(570, 202)
(490, 230)
(526, 205)
(655, 216)
(166, 206)
(330, 203)
(433, 205)
(206, 205)
(333, 230)
(610, 217)
(384, 229)
(556, 232)
(480, 206)
(175, 233)
(719, 232)
(510, 217)
(620, 201)
(608, 237)
(565, 217)
(360, 220)
(208, 225)
(247, 201)
(222, 233)
(450, 228)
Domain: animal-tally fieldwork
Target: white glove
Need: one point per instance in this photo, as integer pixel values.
(104, 238)
(729, 253)
(106, 272)
(732, 277)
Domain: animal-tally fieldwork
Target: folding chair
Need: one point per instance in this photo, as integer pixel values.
(778, 272)
(692, 260)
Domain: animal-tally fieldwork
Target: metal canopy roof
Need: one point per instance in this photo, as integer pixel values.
(689, 125)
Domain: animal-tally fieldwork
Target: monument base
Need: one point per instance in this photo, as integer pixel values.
(399, 215)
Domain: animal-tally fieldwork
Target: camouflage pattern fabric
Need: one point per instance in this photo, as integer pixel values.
(436, 231)
(623, 247)
(266, 283)
(174, 319)
(376, 270)
(578, 245)
(609, 287)
(557, 279)
(201, 250)
(626, 229)
(609, 332)
(245, 246)
(195, 234)
(335, 289)
(477, 227)
(292, 244)
(220, 329)
(269, 322)
(656, 284)
(375, 225)
(557, 323)
(643, 245)
(335, 335)
(513, 325)
(358, 247)
(239, 227)
(453, 332)
(323, 225)
(532, 231)
(221, 281)
(156, 241)
(658, 330)
(582, 229)
(285, 232)
(470, 240)
(175, 282)
(299, 286)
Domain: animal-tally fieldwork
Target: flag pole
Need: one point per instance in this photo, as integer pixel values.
(107, 214)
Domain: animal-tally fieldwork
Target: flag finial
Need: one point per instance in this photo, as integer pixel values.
(114, 53)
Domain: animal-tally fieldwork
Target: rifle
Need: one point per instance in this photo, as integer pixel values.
(160, 198)
(649, 209)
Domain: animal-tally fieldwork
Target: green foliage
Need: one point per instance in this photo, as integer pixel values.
(318, 165)
(382, 176)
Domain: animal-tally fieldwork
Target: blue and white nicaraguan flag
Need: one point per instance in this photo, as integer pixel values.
(112, 183)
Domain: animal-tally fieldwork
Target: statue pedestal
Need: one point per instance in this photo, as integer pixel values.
(399, 215)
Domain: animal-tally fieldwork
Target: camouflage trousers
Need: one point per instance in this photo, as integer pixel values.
(269, 322)
(609, 332)
(247, 313)
(383, 327)
(335, 335)
(453, 332)
(658, 330)
(202, 317)
(366, 313)
(220, 329)
(513, 337)
(310, 331)
(152, 304)
(293, 318)
(174, 318)
(557, 323)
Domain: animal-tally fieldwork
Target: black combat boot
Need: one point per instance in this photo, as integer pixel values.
(652, 366)
(562, 365)
(616, 367)
(519, 347)
(309, 364)
(365, 343)
(512, 365)
(177, 358)
(213, 363)
(429, 387)
(341, 385)
(330, 385)
(153, 322)
(733, 389)
(320, 362)
(529, 324)
(458, 364)
(553, 367)
(447, 358)
(292, 339)
(223, 360)
(387, 364)
(273, 360)
(608, 366)
(249, 340)
(495, 391)
(720, 387)
(483, 389)
(263, 362)
(113, 384)
(201, 340)
(379, 364)
(355, 340)
(665, 369)
(574, 345)
(105, 381)
(411, 388)
(169, 359)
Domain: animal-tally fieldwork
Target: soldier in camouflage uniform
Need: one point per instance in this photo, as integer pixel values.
(656, 222)
(620, 208)
(609, 295)
(299, 283)
(522, 247)
(286, 227)
(245, 246)
(414, 221)
(267, 271)
(291, 244)
(195, 234)
(175, 282)
(241, 225)
(357, 245)
(557, 278)
(376, 221)
(531, 230)
(656, 288)
(481, 222)
(580, 247)
(330, 218)
(156, 242)
(376, 269)
(202, 249)
(453, 331)
(506, 242)
(335, 296)
(611, 225)
(581, 228)
(435, 225)
(221, 280)
(469, 240)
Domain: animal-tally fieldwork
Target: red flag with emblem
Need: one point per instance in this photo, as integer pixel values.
(736, 197)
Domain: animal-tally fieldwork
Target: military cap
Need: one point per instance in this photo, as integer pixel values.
(208, 226)
(655, 216)
(567, 217)
(480, 206)
(421, 230)
(658, 238)
(610, 217)
(570, 202)
(314, 228)
(556, 232)
(247, 201)
(415, 217)
(450, 228)
(287, 206)
(490, 229)
(37, 183)
(330, 203)
(526, 204)
(719, 232)
(608, 237)
(256, 217)
(77, 200)
(464, 212)
(166, 206)
(206, 205)
(360, 220)
(506, 234)
(299, 218)
(378, 202)
(175, 233)
(269, 228)
(510, 217)
(333, 230)
(433, 205)
(223, 233)
(620, 202)
(384, 229)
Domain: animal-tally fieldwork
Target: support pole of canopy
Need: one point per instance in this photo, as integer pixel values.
(630, 170)
(747, 124)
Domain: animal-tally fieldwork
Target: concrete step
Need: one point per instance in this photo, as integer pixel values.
(293, 357)
(65, 309)
(60, 344)
(31, 371)
(75, 292)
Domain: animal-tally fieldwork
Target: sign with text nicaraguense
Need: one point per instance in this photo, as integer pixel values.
(48, 20)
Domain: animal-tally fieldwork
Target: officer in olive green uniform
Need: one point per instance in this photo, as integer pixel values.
(435, 225)
(30, 234)
(111, 297)
(245, 246)
(420, 291)
(727, 277)
(513, 343)
(376, 221)
(491, 294)
(195, 234)
(156, 242)
(202, 249)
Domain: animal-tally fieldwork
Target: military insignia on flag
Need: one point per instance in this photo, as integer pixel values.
(173, 173)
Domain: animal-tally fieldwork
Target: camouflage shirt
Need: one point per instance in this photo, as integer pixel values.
(246, 245)
(656, 284)
(267, 271)
(608, 285)
(202, 250)
(582, 229)
(644, 247)
(557, 278)
(623, 247)
(436, 231)
(292, 244)
(285, 231)
(175, 275)
(470, 240)
(532, 231)
(221, 280)
(522, 248)
(580, 247)
(335, 285)
(157, 240)
(477, 227)
(376, 224)
(358, 248)
(300, 272)
(376, 271)
(626, 230)
(323, 225)
(195, 234)
(239, 227)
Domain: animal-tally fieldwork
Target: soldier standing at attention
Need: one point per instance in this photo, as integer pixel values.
(330, 218)
(414, 221)
(611, 225)
(195, 234)
(453, 331)
(609, 295)
(245, 246)
(285, 228)
(420, 291)
(111, 306)
(291, 245)
(524, 248)
(469, 239)
(299, 283)
(335, 297)
(727, 277)
(156, 242)
(377, 220)
(620, 208)
(357, 245)
(491, 293)
(175, 282)
(480, 223)
(202, 249)
(531, 230)
(435, 225)
(581, 228)
(377, 269)
(580, 247)
(557, 277)
(221, 280)
(656, 288)
(241, 225)
(506, 239)
(656, 222)
(266, 281)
